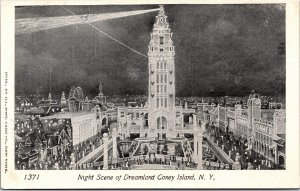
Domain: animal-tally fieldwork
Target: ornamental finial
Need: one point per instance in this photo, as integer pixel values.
(161, 9)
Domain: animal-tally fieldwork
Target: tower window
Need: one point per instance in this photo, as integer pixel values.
(157, 88)
(161, 100)
(161, 78)
(161, 65)
(161, 50)
(161, 40)
(157, 102)
(161, 89)
(165, 102)
(165, 88)
(157, 65)
(165, 78)
(157, 78)
(165, 65)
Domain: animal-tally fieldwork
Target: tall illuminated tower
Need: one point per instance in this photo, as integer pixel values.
(161, 96)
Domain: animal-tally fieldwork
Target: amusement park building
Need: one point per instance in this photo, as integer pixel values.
(265, 137)
(84, 124)
(87, 117)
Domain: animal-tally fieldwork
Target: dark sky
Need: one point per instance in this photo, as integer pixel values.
(220, 49)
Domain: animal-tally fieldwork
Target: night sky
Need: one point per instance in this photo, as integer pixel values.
(220, 50)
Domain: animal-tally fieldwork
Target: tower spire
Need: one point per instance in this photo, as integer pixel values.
(161, 10)
(100, 88)
(161, 19)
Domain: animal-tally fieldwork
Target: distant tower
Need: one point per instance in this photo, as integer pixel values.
(238, 108)
(63, 100)
(102, 98)
(100, 87)
(254, 107)
(279, 120)
(254, 112)
(49, 97)
(161, 96)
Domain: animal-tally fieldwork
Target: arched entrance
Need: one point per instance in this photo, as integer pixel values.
(134, 136)
(281, 162)
(256, 145)
(161, 123)
(161, 127)
(22, 166)
(188, 118)
(75, 99)
(104, 121)
(146, 119)
(74, 104)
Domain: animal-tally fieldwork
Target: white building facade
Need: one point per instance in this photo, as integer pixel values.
(266, 137)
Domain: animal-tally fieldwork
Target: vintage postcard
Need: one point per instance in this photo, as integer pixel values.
(138, 94)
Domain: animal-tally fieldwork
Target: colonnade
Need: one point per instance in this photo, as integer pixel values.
(266, 151)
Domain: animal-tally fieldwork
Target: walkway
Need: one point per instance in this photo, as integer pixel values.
(97, 153)
(224, 158)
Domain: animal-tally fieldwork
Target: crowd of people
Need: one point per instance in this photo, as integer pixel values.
(87, 146)
(237, 149)
(143, 156)
(128, 163)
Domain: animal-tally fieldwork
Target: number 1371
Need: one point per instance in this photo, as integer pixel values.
(31, 177)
